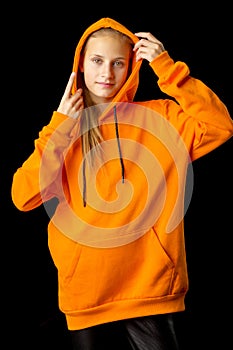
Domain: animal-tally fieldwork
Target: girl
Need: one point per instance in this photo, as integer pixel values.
(118, 170)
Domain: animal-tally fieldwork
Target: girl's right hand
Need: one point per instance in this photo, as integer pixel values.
(71, 105)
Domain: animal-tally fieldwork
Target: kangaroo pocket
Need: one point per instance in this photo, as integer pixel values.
(95, 276)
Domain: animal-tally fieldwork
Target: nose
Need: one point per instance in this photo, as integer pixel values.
(107, 70)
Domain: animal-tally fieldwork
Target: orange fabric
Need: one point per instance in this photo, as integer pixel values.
(123, 255)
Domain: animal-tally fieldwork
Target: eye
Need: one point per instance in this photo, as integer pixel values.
(118, 64)
(96, 60)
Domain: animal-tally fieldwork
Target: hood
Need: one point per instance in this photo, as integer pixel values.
(129, 89)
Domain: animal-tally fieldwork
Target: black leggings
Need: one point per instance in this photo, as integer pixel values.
(142, 333)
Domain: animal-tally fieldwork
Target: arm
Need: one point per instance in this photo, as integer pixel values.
(35, 181)
(199, 109)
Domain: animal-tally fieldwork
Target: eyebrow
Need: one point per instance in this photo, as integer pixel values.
(118, 58)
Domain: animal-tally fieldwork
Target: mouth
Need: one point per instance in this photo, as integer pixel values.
(105, 85)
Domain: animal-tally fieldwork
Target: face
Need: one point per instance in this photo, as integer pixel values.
(105, 67)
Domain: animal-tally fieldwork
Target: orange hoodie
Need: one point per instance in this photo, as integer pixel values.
(123, 254)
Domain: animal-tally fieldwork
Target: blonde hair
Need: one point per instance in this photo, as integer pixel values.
(91, 135)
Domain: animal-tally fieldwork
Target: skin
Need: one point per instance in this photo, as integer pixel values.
(105, 67)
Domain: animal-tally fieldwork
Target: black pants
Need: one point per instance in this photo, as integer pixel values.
(142, 333)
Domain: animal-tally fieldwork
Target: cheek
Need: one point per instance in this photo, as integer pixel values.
(89, 73)
(122, 76)
(88, 77)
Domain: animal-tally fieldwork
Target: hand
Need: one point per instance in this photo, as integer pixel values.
(148, 47)
(71, 105)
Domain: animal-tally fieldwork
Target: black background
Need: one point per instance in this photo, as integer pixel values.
(37, 56)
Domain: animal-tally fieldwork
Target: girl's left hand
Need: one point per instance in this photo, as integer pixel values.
(148, 47)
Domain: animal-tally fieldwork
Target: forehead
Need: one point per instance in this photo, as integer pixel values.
(107, 44)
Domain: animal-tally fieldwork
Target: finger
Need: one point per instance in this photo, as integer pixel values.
(149, 37)
(144, 43)
(146, 35)
(69, 85)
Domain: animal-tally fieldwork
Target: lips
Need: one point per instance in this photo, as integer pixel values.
(105, 84)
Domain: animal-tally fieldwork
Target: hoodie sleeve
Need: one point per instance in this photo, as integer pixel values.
(35, 179)
(205, 115)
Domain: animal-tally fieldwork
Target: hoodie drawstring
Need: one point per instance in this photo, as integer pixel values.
(84, 182)
(120, 155)
(119, 146)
